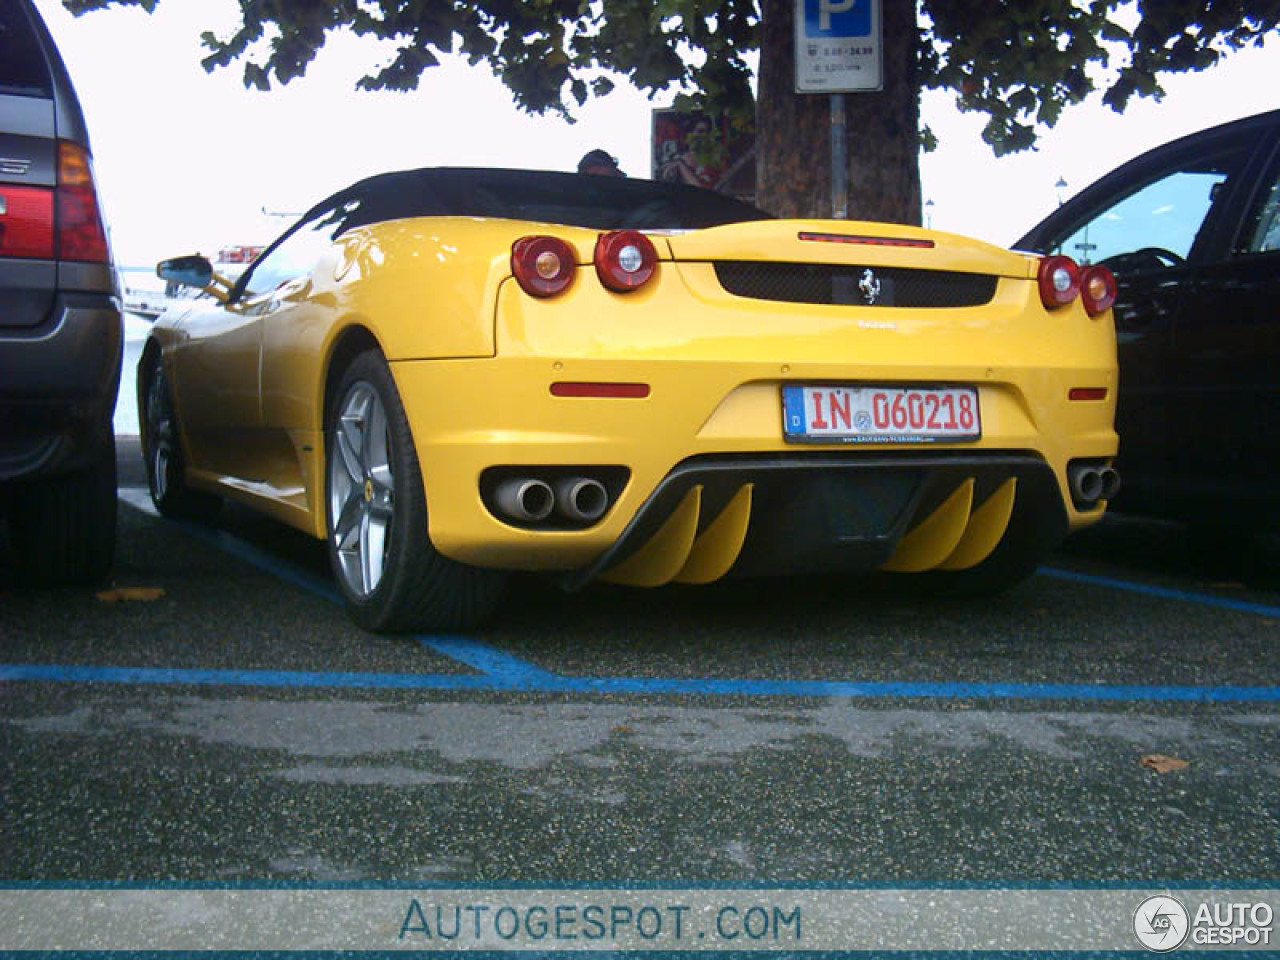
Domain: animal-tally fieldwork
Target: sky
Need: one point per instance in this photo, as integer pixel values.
(188, 160)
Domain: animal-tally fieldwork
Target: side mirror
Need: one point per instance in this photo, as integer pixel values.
(191, 271)
(195, 271)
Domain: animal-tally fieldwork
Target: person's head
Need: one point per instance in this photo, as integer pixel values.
(599, 163)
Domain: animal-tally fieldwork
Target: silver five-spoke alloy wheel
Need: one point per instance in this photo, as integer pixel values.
(361, 489)
(160, 429)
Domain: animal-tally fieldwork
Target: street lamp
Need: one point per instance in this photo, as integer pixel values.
(1060, 186)
(928, 213)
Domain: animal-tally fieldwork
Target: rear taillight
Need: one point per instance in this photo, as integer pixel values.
(26, 222)
(1059, 279)
(542, 265)
(81, 235)
(625, 260)
(1097, 289)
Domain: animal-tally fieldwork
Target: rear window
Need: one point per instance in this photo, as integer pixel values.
(603, 203)
(23, 71)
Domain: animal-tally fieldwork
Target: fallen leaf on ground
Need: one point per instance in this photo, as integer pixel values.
(1163, 764)
(122, 594)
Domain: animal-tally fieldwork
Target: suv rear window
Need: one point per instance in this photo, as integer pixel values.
(23, 70)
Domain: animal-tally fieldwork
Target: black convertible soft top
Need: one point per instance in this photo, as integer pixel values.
(582, 200)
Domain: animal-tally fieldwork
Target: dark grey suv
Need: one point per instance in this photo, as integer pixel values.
(60, 321)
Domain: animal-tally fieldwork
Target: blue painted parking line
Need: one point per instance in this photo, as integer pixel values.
(500, 671)
(1165, 593)
(140, 500)
(542, 681)
(243, 678)
(481, 657)
(489, 660)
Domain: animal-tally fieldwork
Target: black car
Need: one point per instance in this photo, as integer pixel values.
(61, 326)
(1192, 232)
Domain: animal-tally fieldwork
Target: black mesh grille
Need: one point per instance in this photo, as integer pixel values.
(840, 284)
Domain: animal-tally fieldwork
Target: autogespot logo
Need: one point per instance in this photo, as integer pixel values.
(1161, 923)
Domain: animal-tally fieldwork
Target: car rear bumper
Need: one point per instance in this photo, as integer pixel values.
(718, 427)
(58, 386)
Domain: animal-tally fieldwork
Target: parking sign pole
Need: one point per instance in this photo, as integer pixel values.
(838, 50)
(839, 160)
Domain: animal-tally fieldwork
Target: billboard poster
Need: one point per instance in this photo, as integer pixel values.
(695, 148)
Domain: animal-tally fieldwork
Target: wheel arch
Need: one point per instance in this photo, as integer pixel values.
(151, 355)
(352, 341)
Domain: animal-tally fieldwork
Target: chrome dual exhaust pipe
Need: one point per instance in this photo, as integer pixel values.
(581, 499)
(1110, 483)
(525, 499)
(530, 500)
(1090, 483)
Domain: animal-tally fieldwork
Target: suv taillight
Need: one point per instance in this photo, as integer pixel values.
(81, 235)
(26, 222)
(64, 223)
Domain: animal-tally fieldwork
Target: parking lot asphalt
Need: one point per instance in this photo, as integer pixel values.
(238, 727)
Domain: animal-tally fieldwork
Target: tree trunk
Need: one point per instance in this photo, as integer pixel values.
(793, 147)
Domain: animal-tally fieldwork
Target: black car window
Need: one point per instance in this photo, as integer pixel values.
(1262, 229)
(1156, 223)
(23, 71)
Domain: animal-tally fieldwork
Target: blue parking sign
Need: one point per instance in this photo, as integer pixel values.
(837, 18)
(838, 46)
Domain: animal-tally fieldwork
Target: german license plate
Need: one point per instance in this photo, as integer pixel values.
(837, 414)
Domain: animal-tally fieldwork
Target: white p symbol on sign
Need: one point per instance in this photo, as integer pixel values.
(827, 7)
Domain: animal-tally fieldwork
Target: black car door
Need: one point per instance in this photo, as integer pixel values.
(1225, 356)
(1149, 221)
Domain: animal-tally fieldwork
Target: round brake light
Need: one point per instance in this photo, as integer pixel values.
(625, 260)
(1059, 279)
(542, 265)
(1097, 289)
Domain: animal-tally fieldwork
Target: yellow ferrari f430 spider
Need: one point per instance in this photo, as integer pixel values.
(449, 375)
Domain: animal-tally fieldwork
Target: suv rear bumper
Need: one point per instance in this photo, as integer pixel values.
(58, 385)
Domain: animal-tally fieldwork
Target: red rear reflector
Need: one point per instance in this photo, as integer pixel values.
(81, 235)
(570, 388)
(870, 241)
(1087, 393)
(26, 222)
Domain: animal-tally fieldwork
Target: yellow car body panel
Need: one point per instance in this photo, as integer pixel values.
(765, 242)
(474, 358)
(715, 364)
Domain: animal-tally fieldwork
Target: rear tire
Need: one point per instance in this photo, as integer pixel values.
(63, 529)
(391, 577)
(162, 453)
